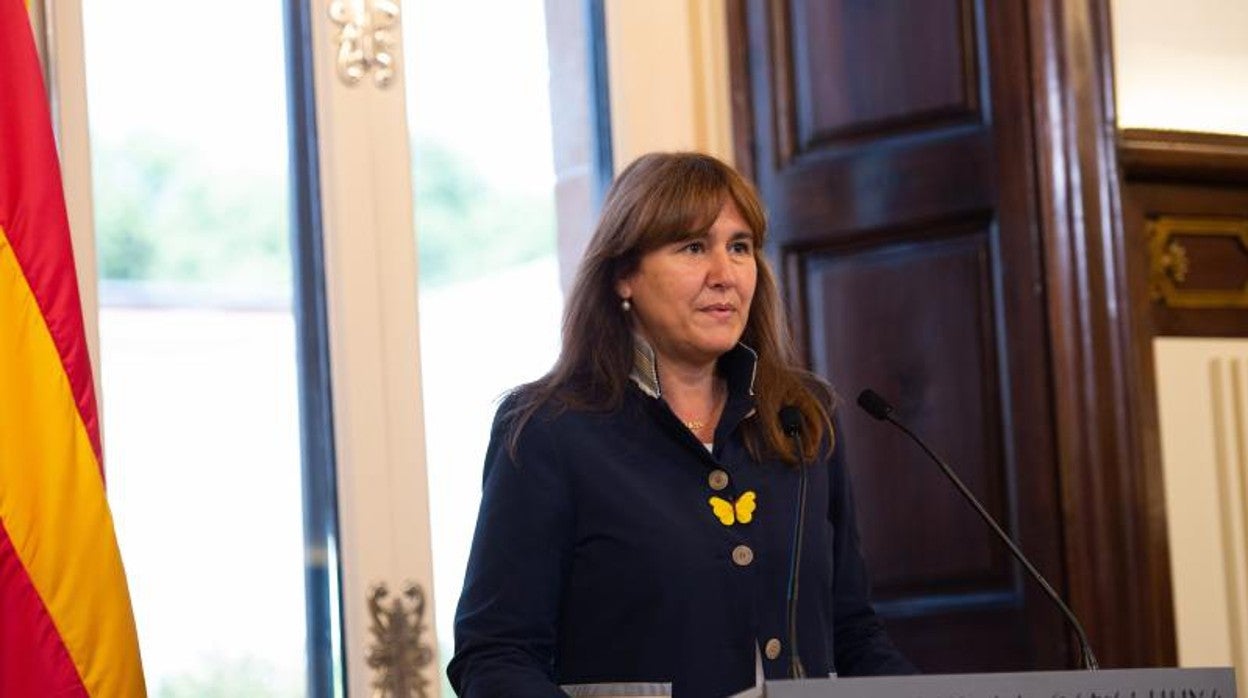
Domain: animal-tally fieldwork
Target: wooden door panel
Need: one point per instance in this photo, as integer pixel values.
(843, 193)
(922, 72)
(889, 149)
(967, 640)
(927, 339)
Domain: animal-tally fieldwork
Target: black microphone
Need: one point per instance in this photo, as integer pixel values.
(879, 408)
(791, 422)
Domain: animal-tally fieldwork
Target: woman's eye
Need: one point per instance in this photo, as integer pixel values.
(695, 247)
(741, 247)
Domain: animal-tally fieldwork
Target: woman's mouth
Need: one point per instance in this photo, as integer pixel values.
(720, 310)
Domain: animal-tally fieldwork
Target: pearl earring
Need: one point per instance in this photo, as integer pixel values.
(626, 305)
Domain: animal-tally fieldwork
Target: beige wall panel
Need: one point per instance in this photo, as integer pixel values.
(1203, 395)
(668, 67)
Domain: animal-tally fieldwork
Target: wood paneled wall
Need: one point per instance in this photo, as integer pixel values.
(1186, 212)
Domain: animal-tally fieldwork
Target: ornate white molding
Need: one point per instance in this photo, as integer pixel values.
(365, 40)
(397, 656)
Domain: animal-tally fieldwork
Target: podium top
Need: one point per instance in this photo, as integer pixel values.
(1106, 683)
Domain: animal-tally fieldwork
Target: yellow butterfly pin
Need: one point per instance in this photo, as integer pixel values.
(741, 511)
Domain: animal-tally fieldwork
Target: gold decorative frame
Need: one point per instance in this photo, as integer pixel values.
(1169, 264)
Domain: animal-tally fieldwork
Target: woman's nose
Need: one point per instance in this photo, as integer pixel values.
(719, 272)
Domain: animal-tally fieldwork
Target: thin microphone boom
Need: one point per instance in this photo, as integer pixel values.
(791, 421)
(879, 408)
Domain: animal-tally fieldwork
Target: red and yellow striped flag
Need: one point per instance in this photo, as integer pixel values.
(66, 628)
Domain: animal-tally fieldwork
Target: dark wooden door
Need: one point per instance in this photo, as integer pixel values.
(891, 143)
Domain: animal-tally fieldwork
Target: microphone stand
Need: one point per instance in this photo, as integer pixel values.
(790, 419)
(877, 407)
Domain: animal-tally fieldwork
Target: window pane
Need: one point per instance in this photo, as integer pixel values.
(199, 395)
(479, 115)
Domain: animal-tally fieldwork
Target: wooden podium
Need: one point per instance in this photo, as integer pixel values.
(1105, 683)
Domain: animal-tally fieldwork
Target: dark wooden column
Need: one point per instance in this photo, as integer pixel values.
(1117, 557)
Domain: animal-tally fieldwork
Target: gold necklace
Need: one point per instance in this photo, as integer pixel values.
(697, 425)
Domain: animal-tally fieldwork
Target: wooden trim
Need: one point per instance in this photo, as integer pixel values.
(742, 91)
(784, 121)
(1115, 541)
(1149, 155)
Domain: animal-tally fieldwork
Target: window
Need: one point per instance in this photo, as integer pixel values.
(198, 372)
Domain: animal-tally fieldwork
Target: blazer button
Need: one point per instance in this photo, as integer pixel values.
(772, 648)
(742, 555)
(718, 480)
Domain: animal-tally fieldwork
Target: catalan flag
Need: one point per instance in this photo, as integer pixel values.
(66, 628)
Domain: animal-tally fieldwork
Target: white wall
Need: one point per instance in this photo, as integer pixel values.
(1182, 65)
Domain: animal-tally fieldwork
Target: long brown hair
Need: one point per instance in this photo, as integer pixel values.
(660, 198)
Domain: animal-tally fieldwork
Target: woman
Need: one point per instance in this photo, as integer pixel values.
(638, 519)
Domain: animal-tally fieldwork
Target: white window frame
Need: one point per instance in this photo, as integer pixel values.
(371, 262)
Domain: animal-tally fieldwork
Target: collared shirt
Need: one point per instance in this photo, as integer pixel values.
(599, 558)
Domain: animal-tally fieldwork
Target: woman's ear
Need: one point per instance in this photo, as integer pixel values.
(623, 288)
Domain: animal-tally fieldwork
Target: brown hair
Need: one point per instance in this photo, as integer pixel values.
(660, 198)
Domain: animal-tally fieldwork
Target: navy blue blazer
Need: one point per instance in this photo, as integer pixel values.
(597, 557)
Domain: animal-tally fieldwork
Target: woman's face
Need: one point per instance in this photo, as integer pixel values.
(691, 299)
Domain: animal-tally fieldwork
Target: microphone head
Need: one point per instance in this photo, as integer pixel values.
(874, 405)
(790, 419)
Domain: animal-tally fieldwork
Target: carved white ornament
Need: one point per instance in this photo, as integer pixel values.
(365, 39)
